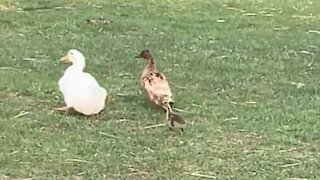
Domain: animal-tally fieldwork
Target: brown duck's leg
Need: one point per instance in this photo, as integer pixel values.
(164, 109)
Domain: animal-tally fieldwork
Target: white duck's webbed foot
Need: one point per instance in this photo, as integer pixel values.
(63, 109)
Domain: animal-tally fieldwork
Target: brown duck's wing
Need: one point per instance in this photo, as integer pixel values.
(157, 87)
(158, 84)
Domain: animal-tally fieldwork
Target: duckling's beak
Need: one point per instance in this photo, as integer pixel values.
(65, 59)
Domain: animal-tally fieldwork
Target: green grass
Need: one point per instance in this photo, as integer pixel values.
(236, 79)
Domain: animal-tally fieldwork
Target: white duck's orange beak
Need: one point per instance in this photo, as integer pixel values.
(65, 59)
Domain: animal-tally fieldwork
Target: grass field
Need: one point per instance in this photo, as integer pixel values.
(244, 72)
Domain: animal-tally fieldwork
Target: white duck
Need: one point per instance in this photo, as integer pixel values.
(80, 90)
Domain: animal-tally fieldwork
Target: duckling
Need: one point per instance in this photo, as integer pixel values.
(80, 90)
(174, 120)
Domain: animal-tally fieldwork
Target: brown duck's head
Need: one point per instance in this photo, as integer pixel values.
(145, 54)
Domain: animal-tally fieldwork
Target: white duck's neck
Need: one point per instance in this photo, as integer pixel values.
(79, 64)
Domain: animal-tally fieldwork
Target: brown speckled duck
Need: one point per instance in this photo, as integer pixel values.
(156, 87)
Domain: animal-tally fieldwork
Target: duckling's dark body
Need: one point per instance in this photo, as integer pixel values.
(176, 121)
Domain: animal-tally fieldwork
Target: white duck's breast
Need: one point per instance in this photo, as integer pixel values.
(66, 85)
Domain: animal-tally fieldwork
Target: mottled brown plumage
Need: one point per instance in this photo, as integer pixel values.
(154, 83)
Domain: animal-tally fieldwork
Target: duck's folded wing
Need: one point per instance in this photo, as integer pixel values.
(90, 97)
(89, 80)
(157, 84)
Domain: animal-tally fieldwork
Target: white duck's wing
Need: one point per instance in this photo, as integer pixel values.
(98, 99)
(90, 96)
(89, 80)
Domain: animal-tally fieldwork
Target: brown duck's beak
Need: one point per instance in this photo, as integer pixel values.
(65, 59)
(138, 56)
